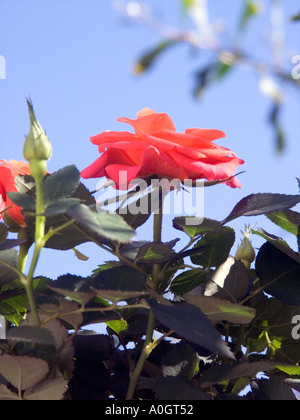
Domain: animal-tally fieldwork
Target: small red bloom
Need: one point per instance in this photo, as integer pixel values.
(157, 149)
(8, 172)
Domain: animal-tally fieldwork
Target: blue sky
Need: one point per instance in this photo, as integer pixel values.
(74, 58)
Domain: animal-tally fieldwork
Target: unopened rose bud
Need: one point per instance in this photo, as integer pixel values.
(37, 147)
(245, 252)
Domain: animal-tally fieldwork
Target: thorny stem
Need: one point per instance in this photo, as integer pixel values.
(149, 344)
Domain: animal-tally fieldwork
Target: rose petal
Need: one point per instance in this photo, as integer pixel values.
(148, 123)
(8, 172)
(157, 149)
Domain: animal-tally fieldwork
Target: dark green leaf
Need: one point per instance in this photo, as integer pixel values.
(71, 236)
(10, 257)
(23, 372)
(26, 202)
(48, 390)
(94, 347)
(178, 389)
(272, 389)
(31, 334)
(230, 281)
(64, 310)
(74, 287)
(61, 184)
(152, 253)
(180, 360)
(3, 232)
(279, 274)
(277, 125)
(121, 278)
(295, 17)
(278, 243)
(61, 206)
(11, 243)
(130, 251)
(190, 323)
(218, 248)
(257, 204)
(222, 373)
(204, 77)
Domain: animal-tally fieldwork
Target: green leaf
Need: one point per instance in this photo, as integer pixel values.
(80, 255)
(118, 326)
(279, 274)
(287, 219)
(222, 70)
(148, 59)
(109, 226)
(153, 253)
(60, 184)
(192, 227)
(190, 323)
(291, 370)
(218, 248)
(250, 10)
(221, 310)
(257, 204)
(187, 281)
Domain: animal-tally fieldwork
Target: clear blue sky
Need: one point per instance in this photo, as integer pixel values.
(74, 59)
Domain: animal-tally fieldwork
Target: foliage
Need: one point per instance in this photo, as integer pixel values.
(218, 324)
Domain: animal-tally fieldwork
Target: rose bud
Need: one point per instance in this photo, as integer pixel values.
(37, 147)
(245, 252)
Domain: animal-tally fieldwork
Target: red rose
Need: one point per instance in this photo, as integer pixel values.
(8, 172)
(157, 149)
